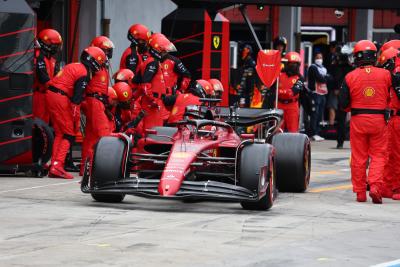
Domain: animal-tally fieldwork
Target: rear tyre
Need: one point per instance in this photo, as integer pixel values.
(108, 164)
(293, 162)
(256, 167)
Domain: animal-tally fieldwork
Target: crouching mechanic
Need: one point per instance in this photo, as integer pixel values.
(290, 86)
(391, 178)
(97, 123)
(153, 85)
(46, 67)
(201, 89)
(122, 110)
(65, 93)
(365, 93)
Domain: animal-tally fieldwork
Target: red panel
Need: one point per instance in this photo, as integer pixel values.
(256, 16)
(225, 62)
(352, 25)
(385, 18)
(17, 118)
(73, 10)
(17, 53)
(15, 140)
(24, 158)
(322, 17)
(206, 47)
(275, 21)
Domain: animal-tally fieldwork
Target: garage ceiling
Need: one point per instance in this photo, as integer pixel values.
(375, 4)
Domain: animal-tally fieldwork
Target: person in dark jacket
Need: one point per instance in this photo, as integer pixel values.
(343, 67)
(317, 83)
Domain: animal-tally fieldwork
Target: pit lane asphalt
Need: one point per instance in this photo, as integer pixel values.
(49, 222)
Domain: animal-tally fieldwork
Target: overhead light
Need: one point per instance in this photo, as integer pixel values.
(260, 7)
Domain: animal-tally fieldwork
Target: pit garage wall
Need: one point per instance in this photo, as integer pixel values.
(17, 27)
(122, 14)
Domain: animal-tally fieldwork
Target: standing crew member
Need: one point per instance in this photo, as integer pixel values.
(97, 122)
(280, 44)
(248, 76)
(136, 53)
(391, 178)
(63, 99)
(290, 85)
(176, 75)
(365, 92)
(46, 66)
(153, 85)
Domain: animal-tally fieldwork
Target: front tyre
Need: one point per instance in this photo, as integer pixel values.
(256, 168)
(108, 167)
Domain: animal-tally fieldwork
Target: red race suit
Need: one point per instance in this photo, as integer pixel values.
(45, 68)
(365, 93)
(65, 93)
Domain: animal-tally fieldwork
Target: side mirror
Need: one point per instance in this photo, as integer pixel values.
(151, 131)
(247, 136)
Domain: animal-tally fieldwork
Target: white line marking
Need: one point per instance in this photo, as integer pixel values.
(40, 186)
(395, 263)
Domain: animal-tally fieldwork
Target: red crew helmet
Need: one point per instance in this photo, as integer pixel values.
(159, 44)
(208, 88)
(292, 57)
(388, 57)
(50, 41)
(364, 53)
(105, 44)
(392, 43)
(138, 33)
(124, 91)
(124, 75)
(112, 95)
(93, 57)
(217, 86)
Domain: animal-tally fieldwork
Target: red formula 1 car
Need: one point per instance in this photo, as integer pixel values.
(203, 159)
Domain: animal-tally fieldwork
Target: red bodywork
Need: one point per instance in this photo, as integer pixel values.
(187, 144)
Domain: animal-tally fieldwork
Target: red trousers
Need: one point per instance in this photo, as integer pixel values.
(60, 111)
(97, 125)
(368, 140)
(290, 117)
(153, 116)
(39, 106)
(391, 176)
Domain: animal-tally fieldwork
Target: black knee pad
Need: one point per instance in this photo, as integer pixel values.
(70, 138)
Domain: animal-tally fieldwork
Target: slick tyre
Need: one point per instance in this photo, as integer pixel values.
(293, 162)
(42, 141)
(256, 167)
(107, 167)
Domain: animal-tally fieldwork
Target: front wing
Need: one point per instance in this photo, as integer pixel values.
(205, 190)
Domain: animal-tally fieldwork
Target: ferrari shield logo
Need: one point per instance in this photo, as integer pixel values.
(216, 41)
(368, 70)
